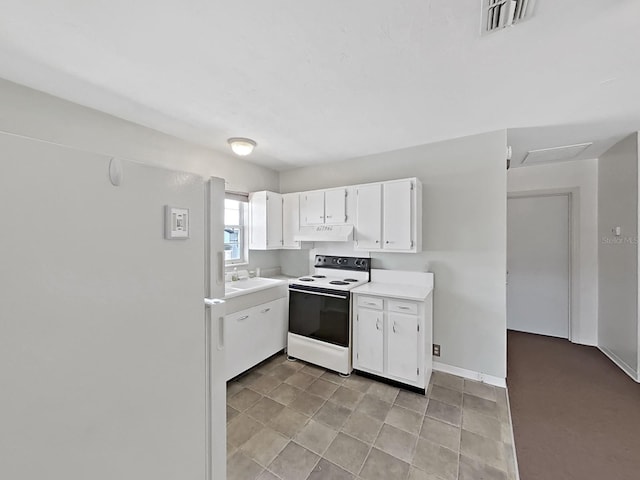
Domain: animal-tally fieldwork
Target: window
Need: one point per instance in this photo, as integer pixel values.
(234, 231)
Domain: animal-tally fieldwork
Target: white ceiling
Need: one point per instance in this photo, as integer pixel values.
(333, 79)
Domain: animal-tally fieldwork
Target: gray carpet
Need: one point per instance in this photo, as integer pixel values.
(575, 414)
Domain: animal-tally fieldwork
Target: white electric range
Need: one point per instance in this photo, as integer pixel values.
(320, 311)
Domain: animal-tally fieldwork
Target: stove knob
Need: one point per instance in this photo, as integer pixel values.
(340, 261)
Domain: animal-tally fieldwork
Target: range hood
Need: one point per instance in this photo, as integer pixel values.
(325, 233)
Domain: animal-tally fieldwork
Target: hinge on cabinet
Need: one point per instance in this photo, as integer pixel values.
(418, 370)
(357, 355)
(346, 193)
(418, 327)
(411, 185)
(411, 243)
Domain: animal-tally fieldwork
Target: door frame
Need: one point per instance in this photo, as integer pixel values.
(573, 195)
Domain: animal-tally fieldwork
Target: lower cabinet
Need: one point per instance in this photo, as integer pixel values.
(402, 346)
(391, 339)
(253, 335)
(370, 335)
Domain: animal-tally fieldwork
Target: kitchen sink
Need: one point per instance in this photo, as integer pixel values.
(248, 285)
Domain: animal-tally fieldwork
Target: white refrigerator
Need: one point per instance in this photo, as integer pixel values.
(108, 355)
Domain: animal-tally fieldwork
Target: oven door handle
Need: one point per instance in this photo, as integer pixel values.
(318, 293)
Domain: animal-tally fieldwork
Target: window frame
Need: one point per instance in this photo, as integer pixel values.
(243, 242)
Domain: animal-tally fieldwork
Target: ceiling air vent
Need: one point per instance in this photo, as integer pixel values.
(498, 14)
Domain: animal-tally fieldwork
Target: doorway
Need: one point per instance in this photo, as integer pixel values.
(539, 264)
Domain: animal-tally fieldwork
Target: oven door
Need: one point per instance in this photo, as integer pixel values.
(321, 314)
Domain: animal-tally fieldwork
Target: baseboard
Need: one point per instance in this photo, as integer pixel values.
(513, 438)
(624, 366)
(470, 374)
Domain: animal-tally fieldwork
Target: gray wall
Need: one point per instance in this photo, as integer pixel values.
(34, 114)
(464, 237)
(618, 256)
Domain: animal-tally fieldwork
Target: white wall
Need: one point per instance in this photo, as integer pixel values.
(464, 236)
(618, 257)
(41, 116)
(102, 358)
(580, 176)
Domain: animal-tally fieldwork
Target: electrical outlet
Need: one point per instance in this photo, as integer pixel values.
(436, 350)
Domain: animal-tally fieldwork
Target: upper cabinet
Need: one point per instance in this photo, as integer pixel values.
(327, 207)
(265, 221)
(389, 216)
(290, 220)
(369, 217)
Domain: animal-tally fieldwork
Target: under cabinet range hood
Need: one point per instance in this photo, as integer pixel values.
(325, 233)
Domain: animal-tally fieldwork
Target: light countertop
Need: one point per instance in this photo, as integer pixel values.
(250, 285)
(418, 293)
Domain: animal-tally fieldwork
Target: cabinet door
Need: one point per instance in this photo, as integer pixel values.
(335, 206)
(369, 217)
(274, 220)
(253, 335)
(312, 208)
(369, 340)
(290, 219)
(402, 346)
(258, 220)
(397, 223)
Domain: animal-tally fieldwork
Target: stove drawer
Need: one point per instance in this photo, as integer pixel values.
(370, 302)
(402, 307)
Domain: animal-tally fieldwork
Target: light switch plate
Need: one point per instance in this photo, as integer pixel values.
(176, 223)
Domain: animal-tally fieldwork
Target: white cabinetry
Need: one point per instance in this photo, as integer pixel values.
(392, 335)
(253, 335)
(312, 208)
(369, 326)
(290, 220)
(327, 207)
(265, 220)
(403, 345)
(399, 219)
(389, 216)
(369, 217)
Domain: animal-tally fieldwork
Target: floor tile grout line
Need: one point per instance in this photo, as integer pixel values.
(352, 410)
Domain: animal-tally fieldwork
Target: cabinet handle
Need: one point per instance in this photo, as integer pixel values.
(394, 327)
(265, 310)
(369, 303)
(244, 317)
(403, 308)
(329, 216)
(377, 241)
(387, 241)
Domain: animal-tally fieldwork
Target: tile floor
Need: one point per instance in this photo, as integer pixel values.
(294, 421)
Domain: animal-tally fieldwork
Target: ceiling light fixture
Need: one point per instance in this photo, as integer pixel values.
(242, 146)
